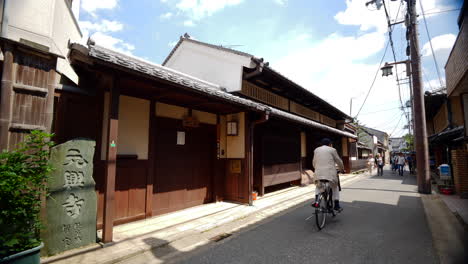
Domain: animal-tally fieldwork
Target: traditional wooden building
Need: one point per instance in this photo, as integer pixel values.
(165, 140)
(283, 145)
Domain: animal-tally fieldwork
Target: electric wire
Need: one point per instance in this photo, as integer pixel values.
(396, 126)
(427, 80)
(442, 11)
(390, 31)
(430, 44)
(373, 81)
(379, 111)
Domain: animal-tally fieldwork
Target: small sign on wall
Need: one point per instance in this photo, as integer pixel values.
(236, 166)
(180, 138)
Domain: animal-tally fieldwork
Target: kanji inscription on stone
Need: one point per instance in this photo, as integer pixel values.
(72, 203)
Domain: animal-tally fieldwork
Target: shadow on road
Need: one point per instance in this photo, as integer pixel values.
(162, 249)
(386, 226)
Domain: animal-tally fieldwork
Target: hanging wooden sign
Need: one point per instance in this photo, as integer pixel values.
(190, 121)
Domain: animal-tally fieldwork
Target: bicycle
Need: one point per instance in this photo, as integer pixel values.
(325, 204)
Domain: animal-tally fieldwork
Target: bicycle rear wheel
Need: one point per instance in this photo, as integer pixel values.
(321, 211)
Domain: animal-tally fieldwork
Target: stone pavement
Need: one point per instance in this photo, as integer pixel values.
(186, 229)
(458, 206)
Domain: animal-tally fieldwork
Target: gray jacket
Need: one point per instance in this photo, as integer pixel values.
(324, 161)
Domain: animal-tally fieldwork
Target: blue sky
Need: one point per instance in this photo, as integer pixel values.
(331, 47)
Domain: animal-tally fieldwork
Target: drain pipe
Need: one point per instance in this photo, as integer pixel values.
(263, 119)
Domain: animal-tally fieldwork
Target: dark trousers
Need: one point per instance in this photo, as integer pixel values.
(380, 170)
(400, 169)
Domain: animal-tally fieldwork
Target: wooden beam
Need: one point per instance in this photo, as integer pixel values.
(6, 96)
(26, 127)
(28, 88)
(111, 162)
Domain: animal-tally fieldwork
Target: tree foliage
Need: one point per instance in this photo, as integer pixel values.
(23, 181)
(409, 140)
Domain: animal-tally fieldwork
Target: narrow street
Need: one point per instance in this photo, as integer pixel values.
(383, 222)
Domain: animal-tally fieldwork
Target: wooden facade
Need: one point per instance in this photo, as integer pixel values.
(161, 142)
(27, 93)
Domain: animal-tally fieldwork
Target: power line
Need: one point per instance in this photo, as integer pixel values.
(427, 80)
(390, 31)
(443, 11)
(373, 81)
(378, 111)
(430, 44)
(396, 126)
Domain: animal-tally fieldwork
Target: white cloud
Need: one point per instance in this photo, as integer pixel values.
(103, 26)
(189, 23)
(91, 6)
(167, 15)
(172, 44)
(199, 9)
(445, 41)
(112, 43)
(280, 2)
(368, 17)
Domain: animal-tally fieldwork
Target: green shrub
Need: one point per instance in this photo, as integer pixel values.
(23, 181)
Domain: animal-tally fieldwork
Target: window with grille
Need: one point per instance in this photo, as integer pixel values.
(264, 96)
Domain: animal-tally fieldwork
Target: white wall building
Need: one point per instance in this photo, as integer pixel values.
(47, 25)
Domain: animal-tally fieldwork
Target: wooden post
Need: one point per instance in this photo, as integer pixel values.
(249, 126)
(6, 96)
(151, 160)
(111, 162)
(49, 111)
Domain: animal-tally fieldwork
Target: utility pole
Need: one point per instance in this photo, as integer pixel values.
(420, 133)
(419, 112)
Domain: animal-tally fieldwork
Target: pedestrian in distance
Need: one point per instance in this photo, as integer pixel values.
(395, 160)
(409, 160)
(370, 164)
(380, 164)
(401, 161)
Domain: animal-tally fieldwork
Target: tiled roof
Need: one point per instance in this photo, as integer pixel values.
(211, 89)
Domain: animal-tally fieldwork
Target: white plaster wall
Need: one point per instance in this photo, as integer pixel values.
(235, 145)
(210, 64)
(344, 146)
(133, 128)
(204, 117)
(303, 145)
(133, 135)
(170, 111)
(47, 22)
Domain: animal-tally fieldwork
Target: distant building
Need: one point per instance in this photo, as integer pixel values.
(375, 140)
(397, 144)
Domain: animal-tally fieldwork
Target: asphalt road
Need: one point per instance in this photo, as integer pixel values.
(383, 222)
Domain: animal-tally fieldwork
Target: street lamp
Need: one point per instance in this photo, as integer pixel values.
(387, 70)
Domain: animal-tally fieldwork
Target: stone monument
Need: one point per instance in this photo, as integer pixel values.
(72, 204)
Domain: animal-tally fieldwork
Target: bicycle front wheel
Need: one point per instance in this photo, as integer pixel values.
(321, 212)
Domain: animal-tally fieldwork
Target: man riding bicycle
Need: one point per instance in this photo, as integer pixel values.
(325, 158)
